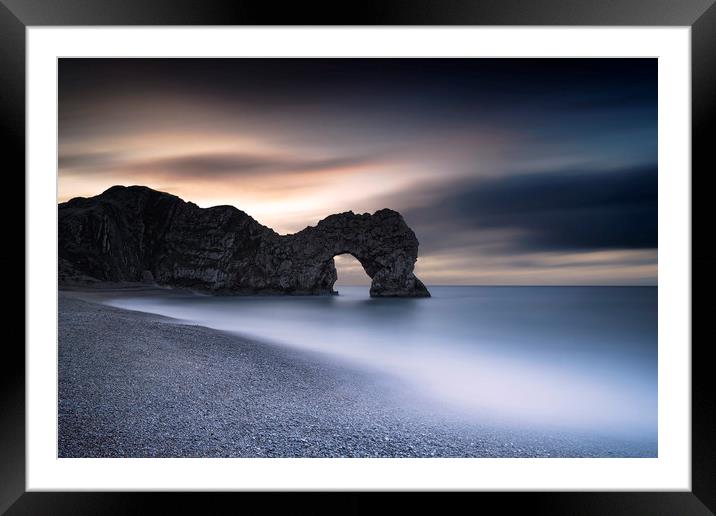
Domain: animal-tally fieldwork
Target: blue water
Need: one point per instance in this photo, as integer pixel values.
(567, 357)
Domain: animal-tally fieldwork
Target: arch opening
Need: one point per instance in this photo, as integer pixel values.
(350, 273)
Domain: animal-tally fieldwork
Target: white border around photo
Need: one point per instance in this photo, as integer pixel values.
(670, 471)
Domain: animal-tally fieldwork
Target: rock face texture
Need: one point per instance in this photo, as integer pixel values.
(133, 234)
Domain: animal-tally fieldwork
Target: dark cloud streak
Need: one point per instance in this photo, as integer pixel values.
(547, 211)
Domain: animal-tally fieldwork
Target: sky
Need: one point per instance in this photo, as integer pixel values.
(510, 171)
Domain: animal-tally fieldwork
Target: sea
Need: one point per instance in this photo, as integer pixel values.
(566, 358)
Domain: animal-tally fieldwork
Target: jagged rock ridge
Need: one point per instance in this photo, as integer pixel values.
(129, 234)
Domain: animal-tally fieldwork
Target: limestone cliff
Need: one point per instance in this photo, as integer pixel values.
(129, 234)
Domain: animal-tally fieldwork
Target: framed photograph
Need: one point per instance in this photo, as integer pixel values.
(427, 247)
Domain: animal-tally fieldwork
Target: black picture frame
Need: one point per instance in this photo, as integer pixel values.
(700, 15)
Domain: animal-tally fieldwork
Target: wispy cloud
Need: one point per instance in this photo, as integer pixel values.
(222, 165)
(88, 162)
(206, 165)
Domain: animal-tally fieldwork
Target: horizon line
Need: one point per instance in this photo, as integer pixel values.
(510, 285)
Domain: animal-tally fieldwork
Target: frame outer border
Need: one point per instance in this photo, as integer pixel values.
(703, 386)
(15, 15)
(12, 138)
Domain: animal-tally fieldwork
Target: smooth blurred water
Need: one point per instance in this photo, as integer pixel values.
(560, 357)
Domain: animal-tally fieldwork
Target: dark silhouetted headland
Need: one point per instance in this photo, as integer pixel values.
(130, 234)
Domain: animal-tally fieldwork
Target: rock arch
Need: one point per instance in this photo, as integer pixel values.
(382, 242)
(134, 233)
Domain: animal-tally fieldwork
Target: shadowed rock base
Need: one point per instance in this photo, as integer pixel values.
(132, 234)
